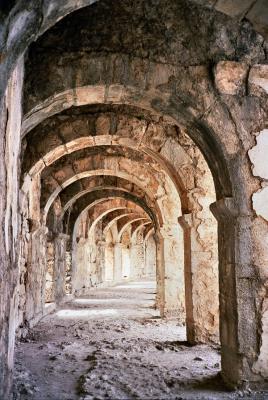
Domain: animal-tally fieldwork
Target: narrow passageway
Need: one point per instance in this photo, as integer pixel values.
(112, 344)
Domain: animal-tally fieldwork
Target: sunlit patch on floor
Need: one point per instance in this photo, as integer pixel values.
(138, 285)
(97, 301)
(85, 313)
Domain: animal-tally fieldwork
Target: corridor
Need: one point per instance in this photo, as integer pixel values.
(133, 147)
(113, 345)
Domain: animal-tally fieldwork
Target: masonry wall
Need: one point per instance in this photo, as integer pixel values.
(150, 257)
(10, 113)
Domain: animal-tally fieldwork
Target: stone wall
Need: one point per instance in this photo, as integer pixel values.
(10, 112)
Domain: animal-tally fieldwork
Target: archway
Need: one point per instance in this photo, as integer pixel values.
(203, 103)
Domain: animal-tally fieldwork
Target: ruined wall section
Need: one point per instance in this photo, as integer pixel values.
(10, 110)
(88, 256)
(50, 284)
(32, 257)
(258, 86)
(150, 258)
(83, 256)
(249, 120)
(137, 255)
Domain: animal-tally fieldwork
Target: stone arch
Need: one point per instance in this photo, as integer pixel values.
(226, 208)
(63, 175)
(108, 141)
(139, 226)
(148, 232)
(20, 37)
(115, 218)
(129, 222)
(105, 213)
(102, 210)
(128, 199)
(224, 153)
(84, 201)
(62, 139)
(119, 94)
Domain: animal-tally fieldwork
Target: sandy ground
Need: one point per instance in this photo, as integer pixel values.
(112, 345)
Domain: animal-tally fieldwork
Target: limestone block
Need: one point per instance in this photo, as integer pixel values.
(258, 80)
(260, 203)
(234, 8)
(79, 143)
(89, 95)
(53, 155)
(230, 77)
(103, 125)
(258, 155)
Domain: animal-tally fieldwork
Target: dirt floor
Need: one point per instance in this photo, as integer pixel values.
(112, 345)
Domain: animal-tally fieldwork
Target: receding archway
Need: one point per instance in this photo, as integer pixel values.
(187, 93)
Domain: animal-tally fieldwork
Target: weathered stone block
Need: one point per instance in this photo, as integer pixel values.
(258, 80)
(103, 125)
(234, 8)
(230, 77)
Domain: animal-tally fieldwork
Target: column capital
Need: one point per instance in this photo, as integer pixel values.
(186, 221)
(224, 208)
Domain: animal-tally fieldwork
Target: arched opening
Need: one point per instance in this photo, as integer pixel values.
(118, 117)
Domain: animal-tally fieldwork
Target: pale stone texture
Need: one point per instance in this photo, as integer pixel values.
(230, 77)
(258, 80)
(258, 155)
(260, 203)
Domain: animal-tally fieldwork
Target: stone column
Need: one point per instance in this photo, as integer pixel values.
(125, 253)
(201, 284)
(173, 259)
(238, 287)
(60, 266)
(137, 264)
(50, 265)
(36, 273)
(160, 274)
(150, 257)
(118, 262)
(100, 259)
(186, 223)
